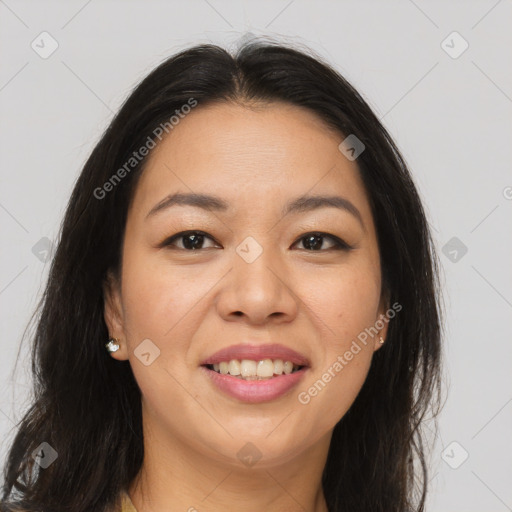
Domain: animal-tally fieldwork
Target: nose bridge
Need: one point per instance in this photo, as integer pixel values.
(258, 286)
(252, 265)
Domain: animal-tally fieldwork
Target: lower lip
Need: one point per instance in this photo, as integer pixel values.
(255, 391)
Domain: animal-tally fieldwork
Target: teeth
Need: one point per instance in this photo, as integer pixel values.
(288, 367)
(234, 367)
(248, 369)
(265, 368)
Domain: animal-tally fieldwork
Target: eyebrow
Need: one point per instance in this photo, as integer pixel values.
(206, 202)
(309, 203)
(298, 205)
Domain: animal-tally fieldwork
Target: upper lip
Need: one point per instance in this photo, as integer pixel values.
(257, 353)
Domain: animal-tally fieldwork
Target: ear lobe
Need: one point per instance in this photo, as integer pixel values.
(113, 313)
(380, 338)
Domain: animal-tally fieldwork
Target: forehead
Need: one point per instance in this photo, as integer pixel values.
(250, 156)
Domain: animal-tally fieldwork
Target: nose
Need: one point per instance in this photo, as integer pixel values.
(258, 292)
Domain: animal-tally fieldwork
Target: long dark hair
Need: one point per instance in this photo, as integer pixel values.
(87, 406)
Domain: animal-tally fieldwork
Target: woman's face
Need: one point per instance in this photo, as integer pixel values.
(256, 277)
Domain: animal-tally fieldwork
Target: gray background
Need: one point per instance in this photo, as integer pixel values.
(451, 117)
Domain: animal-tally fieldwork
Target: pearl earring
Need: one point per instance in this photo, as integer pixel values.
(112, 345)
(381, 340)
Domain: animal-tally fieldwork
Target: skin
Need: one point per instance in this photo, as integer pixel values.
(191, 303)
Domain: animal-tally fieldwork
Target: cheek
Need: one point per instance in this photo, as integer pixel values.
(345, 305)
(330, 392)
(344, 300)
(163, 303)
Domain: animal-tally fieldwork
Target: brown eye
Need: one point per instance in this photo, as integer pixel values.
(315, 242)
(191, 240)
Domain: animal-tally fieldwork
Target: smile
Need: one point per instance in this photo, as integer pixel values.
(255, 373)
(248, 369)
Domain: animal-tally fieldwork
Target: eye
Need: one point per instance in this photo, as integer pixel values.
(314, 242)
(192, 240)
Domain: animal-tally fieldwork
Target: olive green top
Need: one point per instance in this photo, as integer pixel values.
(126, 503)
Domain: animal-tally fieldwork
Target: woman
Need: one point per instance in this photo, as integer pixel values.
(242, 312)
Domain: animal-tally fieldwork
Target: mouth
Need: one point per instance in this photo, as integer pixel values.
(255, 373)
(250, 369)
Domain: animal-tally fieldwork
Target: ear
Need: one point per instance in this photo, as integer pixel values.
(113, 314)
(382, 321)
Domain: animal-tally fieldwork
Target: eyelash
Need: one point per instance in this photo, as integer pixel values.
(339, 244)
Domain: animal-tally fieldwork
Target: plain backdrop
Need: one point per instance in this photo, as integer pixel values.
(445, 97)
